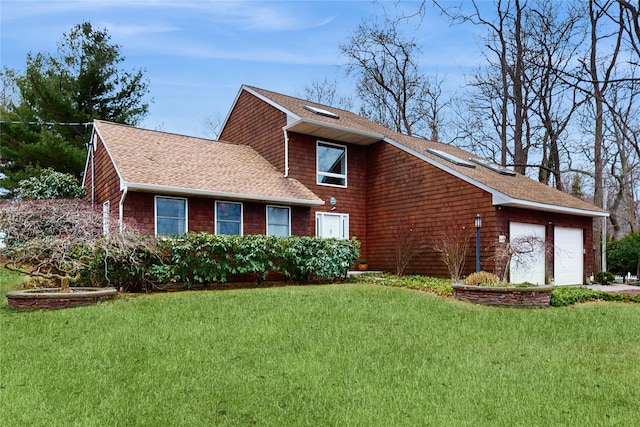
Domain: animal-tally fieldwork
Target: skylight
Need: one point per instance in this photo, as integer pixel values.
(451, 158)
(321, 112)
(493, 166)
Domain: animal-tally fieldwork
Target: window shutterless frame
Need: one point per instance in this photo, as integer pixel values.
(228, 218)
(278, 221)
(171, 215)
(331, 164)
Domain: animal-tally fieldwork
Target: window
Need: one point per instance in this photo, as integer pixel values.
(278, 221)
(229, 218)
(330, 225)
(171, 216)
(331, 164)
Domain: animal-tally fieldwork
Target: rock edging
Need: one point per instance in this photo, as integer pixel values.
(52, 298)
(504, 296)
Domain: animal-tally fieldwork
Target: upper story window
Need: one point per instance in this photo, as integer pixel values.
(229, 218)
(331, 161)
(171, 216)
(278, 221)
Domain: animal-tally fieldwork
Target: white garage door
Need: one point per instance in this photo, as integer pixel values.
(528, 265)
(568, 256)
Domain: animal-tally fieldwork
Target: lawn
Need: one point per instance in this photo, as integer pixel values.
(334, 355)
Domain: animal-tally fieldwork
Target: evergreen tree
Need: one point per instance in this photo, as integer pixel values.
(45, 113)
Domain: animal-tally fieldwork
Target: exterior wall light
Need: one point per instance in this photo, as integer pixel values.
(478, 223)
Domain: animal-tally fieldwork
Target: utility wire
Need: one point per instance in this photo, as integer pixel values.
(18, 122)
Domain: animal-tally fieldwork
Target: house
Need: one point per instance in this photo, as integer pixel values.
(293, 167)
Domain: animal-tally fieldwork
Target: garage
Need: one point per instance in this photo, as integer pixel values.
(568, 256)
(528, 262)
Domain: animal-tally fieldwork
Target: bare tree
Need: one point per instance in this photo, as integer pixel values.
(503, 85)
(326, 92)
(453, 246)
(556, 34)
(57, 240)
(623, 129)
(409, 244)
(518, 253)
(393, 90)
(212, 126)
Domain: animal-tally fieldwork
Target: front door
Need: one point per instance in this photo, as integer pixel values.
(331, 225)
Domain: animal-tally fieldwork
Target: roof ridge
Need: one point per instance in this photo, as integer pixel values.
(137, 128)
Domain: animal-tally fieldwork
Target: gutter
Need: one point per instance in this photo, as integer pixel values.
(180, 191)
(286, 152)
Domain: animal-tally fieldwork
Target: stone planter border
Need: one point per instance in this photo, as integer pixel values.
(506, 296)
(52, 298)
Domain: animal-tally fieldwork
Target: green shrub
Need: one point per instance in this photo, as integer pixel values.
(604, 278)
(623, 254)
(208, 258)
(482, 278)
(567, 295)
(51, 185)
(434, 285)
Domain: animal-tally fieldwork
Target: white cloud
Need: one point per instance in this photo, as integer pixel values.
(134, 30)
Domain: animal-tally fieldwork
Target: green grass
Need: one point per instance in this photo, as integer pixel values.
(336, 355)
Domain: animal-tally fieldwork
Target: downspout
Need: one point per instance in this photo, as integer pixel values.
(604, 228)
(92, 153)
(121, 208)
(286, 152)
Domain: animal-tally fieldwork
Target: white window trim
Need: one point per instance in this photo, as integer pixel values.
(288, 208)
(344, 223)
(327, 174)
(215, 215)
(186, 211)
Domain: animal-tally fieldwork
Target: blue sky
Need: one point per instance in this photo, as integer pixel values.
(197, 54)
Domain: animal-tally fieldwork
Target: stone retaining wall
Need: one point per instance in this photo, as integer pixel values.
(539, 296)
(31, 299)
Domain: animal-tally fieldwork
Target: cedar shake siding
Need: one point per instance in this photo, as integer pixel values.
(350, 200)
(139, 212)
(256, 123)
(407, 194)
(396, 183)
(106, 184)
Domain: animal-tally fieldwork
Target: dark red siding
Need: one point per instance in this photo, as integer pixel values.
(106, 184)
(254, 122)
(350, 200)
(139, 211)
(408, 196)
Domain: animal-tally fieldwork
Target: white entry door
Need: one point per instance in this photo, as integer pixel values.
(528, 265)
(330, 225)
(568, 256)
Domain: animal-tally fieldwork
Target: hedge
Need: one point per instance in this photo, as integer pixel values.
(208, 258)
